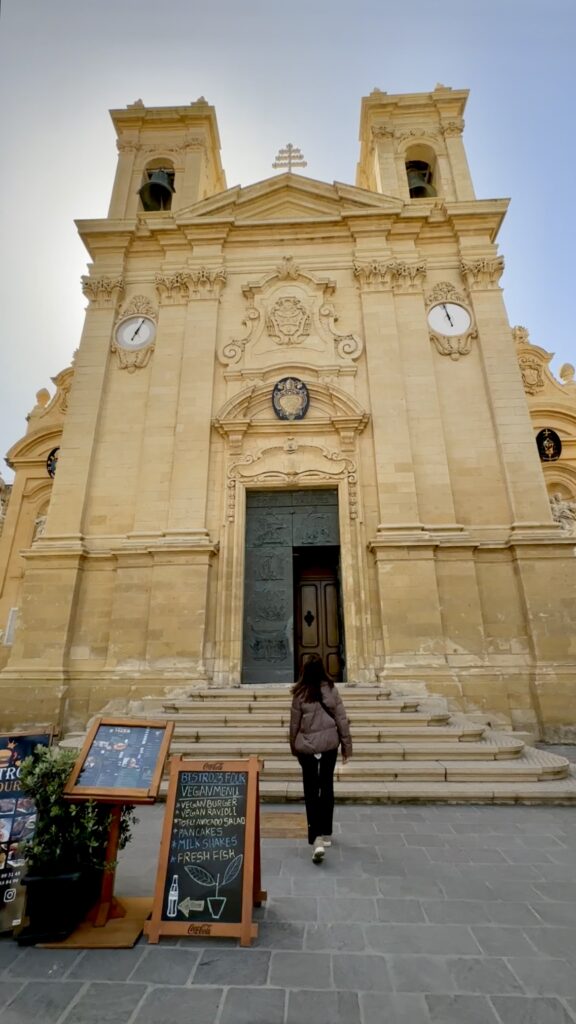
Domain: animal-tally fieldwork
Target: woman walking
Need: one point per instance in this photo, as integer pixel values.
(318, 725)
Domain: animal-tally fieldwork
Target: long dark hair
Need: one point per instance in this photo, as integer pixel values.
(312, 675)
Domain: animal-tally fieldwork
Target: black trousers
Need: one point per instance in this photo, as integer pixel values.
(318, 779)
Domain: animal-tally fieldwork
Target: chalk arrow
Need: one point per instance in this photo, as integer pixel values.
(187, 905)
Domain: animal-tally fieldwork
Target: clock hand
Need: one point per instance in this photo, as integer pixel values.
(449, 319)
(137, 329)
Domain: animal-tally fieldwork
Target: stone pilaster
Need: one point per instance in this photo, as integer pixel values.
(430, 459)
(528, 500)
(52, 579)
(120, 199)
(395, 480)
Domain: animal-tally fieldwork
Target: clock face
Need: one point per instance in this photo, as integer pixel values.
(449, 318)
(135, 332)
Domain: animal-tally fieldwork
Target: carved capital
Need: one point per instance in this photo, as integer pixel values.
(103, 292)
(172, 288)
(204, 283)
(185, 285)
(382, 131)
(453, 127)
(194, 142)
(483, 273)
(397, 275)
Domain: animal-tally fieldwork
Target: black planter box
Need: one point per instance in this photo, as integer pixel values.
(56, 904)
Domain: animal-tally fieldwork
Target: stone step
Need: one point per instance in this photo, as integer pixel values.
(560, 791)
(384, 734)
(405, 748)
(483, 751)
(529, 769)
(254, 714)
(267, 695)
(264, 731)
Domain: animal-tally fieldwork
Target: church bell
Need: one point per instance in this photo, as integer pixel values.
(157, 192)
(419, 179)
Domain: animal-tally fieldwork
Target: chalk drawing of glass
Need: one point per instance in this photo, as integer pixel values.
(202, 876)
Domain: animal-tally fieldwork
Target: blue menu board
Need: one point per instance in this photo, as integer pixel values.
(121, 759)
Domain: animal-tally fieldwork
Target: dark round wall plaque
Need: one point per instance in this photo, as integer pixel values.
(51, 462)
(290, 399)
(549, 445)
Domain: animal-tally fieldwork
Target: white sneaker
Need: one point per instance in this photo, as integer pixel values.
(318, 850)
(327, 840)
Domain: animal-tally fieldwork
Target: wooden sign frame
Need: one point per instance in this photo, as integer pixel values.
(108, 794)
(252, 893)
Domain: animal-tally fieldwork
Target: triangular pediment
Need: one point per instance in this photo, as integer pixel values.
(289, 197)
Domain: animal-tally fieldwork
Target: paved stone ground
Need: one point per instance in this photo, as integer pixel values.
(419, 914)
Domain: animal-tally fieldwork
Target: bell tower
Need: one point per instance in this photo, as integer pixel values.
(175, 148)
(411, 145)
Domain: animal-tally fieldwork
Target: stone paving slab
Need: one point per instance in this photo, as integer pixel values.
(422, 914)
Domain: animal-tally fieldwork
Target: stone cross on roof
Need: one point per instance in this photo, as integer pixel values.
(289, 156)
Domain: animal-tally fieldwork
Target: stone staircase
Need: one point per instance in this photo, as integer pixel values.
(404, 749)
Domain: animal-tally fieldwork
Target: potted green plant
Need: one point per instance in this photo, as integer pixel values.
(66, 854)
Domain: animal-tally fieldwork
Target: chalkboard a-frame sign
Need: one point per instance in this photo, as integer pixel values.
(209, 869)
(121, 761)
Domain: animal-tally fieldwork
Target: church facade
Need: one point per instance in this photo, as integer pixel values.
(298, 421)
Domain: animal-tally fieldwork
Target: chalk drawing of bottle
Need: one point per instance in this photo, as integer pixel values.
(172, 908)
(200, 875)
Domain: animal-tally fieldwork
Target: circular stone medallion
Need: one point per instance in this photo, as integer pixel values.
(290, 399)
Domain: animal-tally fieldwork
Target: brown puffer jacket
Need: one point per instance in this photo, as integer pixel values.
(313, 731)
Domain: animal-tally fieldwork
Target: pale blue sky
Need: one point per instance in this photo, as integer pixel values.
(276, 72)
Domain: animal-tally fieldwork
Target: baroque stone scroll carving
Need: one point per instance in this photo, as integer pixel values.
(290, 307)
(336, 465)
(444, 291)
(132, 361)
(139, 304)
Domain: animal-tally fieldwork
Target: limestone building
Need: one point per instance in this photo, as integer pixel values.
(297, 420)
